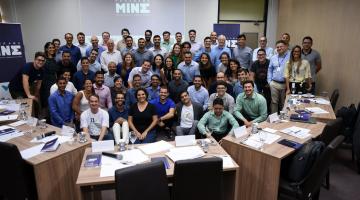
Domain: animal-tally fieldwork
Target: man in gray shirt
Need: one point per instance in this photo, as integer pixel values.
(242, 53)
(141, 53)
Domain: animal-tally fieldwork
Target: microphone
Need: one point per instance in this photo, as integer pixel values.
(113, 155)
(41, 136)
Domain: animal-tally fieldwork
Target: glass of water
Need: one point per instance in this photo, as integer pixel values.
(262, 138)
(132, 137)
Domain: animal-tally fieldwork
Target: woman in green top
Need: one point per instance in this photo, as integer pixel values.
(175, 55)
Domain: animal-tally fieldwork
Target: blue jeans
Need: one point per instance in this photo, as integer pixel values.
(150, 138)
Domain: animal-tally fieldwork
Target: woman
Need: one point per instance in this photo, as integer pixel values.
(49, 75)
(81, 100)
(207, 70)
(158, 64)
(175, 55)
(127, 65)
(297, 73)
(118, 88)
(231, 72)
(166, 72)
(143, 118)
(224, 58)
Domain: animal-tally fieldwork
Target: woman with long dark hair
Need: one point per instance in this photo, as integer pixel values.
(158, 64)
(207, 70)
(167, 71)
(224, 58)
(176, 55)
(231, 72)
(126, 66)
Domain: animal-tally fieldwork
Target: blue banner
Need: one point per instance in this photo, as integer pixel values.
(12, 52)
(231, 31)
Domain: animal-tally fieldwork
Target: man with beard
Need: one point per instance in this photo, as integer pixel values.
(129, 47)
(130, 93)
(74, 50)
(177, 85)
(145, 73)
(141, 54)
(243, 53)
(250, 106)
(189, 68)
(242, 75)
(82, 44)
(60, 103)
(95, 45)
(198, 93)
(195, 46)
(118, 115)
(157, 48)
(148, 43)
(66, 63)
(94, 65)
(102, 91)
(80, 76)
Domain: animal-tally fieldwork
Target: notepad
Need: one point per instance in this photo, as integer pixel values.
(185, 140)
(316, 110)
(93, 160)
(297, 132)
(156, 147)
(184, 153)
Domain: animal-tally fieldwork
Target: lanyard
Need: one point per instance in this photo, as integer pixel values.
(280, 63)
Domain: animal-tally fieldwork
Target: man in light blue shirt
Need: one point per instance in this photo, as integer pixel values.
(275, 76)
(243, 53)
(189, 68)
(198, 93)
(95, 45)
(206, 49)
(219, 49)
(195, 46)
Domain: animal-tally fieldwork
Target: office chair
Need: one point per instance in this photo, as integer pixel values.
(309, 187)
(15, 181)
(144, 181)
(196, 179)
(334, 98)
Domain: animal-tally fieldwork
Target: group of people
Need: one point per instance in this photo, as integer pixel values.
(159, 85)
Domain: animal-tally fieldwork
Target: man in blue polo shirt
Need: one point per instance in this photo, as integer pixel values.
(74, 50)
(165, 109)
(60, 103)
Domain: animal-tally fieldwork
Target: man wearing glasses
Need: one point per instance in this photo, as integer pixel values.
(221, 93)
(27, 82)
(263, 45)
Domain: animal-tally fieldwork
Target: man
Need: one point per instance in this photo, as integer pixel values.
(213, 37)
(154, 89)
(166, 44)
(130, 93)
(313, 57)
(189, 68)
(82, 44)
(217, 121)
(118, 115)
(110, 75)
(242, 53)
(165, 109)
(178, 38)
(60, 105)
(228, 100)
(95, 45)
(275, 76)
(188, 115)
(69, 85)
(74, 50)
(141, 53)
(129, 48)
(94, 65)
(157, 48)
(111, 54)
(258, 73)
(205, 49)
(286, 38)
(105, 39)
(198, 93)
(220, 76)
(195, 46)
(80, 76)
(121, 44)
(145, 73)
(95, 121)
(102, 91)
(250, 106)
(242, 76)
(66, 63)
(27, 82)
(177, 85)
(148, 43)
(219, 49)
(58, 53)
(262, 45)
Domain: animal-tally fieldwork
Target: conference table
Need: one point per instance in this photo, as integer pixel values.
(315, 101)
(259, 170)
(55, 172)
(90, 181)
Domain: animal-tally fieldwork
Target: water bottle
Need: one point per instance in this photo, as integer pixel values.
(254, 128)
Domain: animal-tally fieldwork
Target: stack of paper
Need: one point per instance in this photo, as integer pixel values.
(4, 118)
(316, 110)
(252, 143)
(156, 147)
(7, 133)
(269, 137)
(185, 140)
(321, 101)
(32, 151)
(297, 132)
(184, 153)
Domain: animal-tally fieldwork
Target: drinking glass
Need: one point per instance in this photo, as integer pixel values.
(262, 138)
(31, 122)
(132, 137)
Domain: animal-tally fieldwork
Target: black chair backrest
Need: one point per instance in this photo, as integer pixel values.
(334, 98)
(331, 130)
(12, 176)
(196, 179)
(356, 135)
(144, 181)
(317, 174)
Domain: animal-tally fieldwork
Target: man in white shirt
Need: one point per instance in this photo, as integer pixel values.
(145, 73)
(195, 46)
(95, 121)
(262, 45)
(111, 54)
(82, 44)
(69, 85)
(105, 38)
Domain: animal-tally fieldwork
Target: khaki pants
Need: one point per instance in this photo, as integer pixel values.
(278, 94)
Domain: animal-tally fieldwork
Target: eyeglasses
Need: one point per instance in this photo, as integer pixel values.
(40, 60)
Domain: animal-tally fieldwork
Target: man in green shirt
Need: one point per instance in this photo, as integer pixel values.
(250, 106)
(216, 122)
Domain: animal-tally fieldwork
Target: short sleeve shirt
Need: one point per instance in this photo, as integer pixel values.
(142, 120)
(94, 121)
(29, 70)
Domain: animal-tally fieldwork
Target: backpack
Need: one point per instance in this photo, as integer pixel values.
(303, 160)
(349, 117)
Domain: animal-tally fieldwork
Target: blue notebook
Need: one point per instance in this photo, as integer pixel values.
(93, 160)
(52, 145)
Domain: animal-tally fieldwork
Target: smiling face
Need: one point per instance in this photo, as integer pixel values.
(118, 83)
(221, 90)
(94, 103)
(178, 37)
(81, 39)
(169, 63)
(213, 36)
(155, 81)
(137, 82)
(176, 49)
(61, 85)
(39, 62)
(197, 82)
(99, 79)
(218, 109)
(164, 93)
(248, 89)
(119, 99)
(51, 49)
(296, 53)
(188, 58)
(281, 48)
(263, 42)
(307, 43)
(157, 41)
(88, 85)
(141, 96)
(177, 74)
(192, 36)
(158, 60)
(68, 39)
(204, 59)
(224, 59)
(242, 76)
(207, 43)
(85, 64)
(129, 42)
(233, 66)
